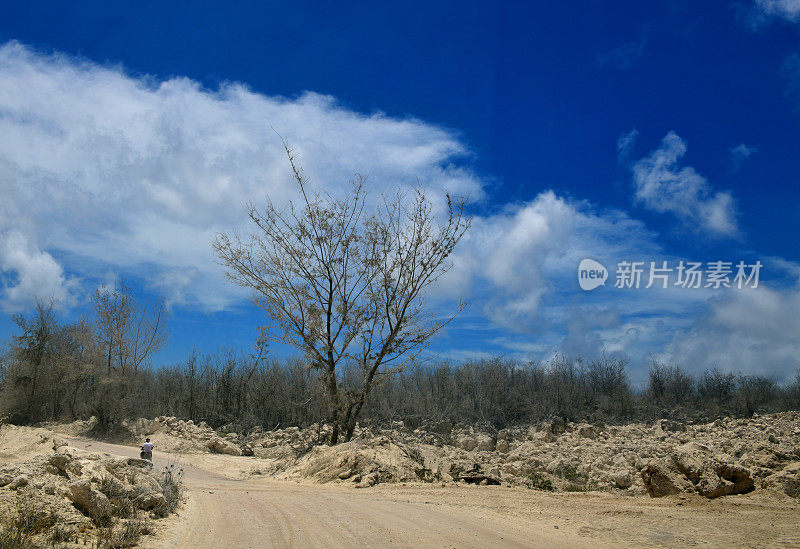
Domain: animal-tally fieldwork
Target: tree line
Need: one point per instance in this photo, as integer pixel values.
(95, 367)
(51, 371)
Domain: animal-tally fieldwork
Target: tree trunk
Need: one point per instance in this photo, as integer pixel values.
(335, 434)
(355, 411)
(333, 393)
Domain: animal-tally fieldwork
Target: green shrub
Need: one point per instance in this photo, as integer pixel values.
(537, 481)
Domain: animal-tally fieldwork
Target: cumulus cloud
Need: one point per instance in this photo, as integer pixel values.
(36, 275)
(661, 185)
(105, 175)
(528, 252)
(521, 263)
(135, 175)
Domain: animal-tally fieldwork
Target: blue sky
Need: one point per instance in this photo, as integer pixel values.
(646, 131)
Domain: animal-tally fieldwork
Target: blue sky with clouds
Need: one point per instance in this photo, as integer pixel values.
(642, 131)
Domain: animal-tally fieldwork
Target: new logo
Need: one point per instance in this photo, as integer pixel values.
(591, 274)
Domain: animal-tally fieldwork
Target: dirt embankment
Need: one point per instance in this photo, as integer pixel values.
(725, 457)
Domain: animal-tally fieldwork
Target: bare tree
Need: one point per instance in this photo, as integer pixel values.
(346, 287)
(128, 334)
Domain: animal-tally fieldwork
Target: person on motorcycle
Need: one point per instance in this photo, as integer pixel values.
(147, 450)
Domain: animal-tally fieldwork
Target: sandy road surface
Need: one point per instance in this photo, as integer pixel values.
(225, 512)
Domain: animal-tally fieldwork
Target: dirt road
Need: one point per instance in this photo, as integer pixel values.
(224, 512)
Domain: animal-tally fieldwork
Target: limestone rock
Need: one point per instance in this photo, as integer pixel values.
(622, 479)
(694, 468)
(368, 480)
(19, 482)
(465, 442)
(89, 500)
(661, 480)
(786, 481)
(65, 465)
(6, 478)
(221, 446)
(484, 443)
(149, 499)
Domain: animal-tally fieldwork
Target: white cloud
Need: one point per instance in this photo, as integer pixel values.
(752, 331)
(519, 256)
(784, 9)
(105, 176)
(134, 175)
(521, 263)
(625, 56)
(36, 275)
(740, 153)
(625, 143)
(661, 185)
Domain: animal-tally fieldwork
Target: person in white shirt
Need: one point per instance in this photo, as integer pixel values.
(147, 449)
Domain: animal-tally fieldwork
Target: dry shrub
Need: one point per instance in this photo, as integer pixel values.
(20, 524)
(171, 482)
(124, 534)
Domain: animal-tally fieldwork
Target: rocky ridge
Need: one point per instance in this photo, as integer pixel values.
(727, 456)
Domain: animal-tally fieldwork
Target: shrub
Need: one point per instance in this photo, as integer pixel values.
(25, 520)
(570, 473)
(171, 482)
(61, 534)
(537, 481)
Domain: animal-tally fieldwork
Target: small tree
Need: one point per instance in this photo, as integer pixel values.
(32, 351)
(345, 287)
(128, 332)
(128, 335)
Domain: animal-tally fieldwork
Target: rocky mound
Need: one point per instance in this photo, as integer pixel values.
(365, 462)
(694, 467)
(728, 456)
(22, 443)
(170, 434)
(74, 495)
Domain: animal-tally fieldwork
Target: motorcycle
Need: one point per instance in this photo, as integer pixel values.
(146, 455)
